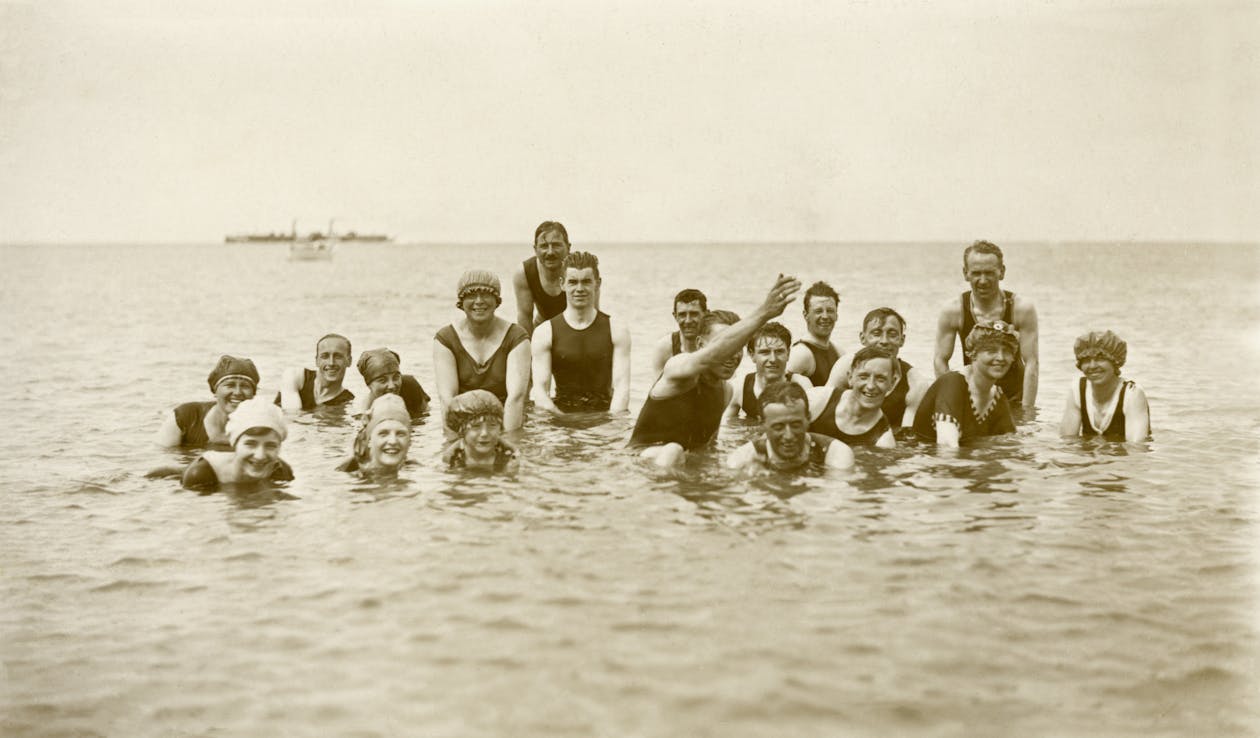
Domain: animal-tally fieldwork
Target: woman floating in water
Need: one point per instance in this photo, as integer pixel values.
(255, 431)
(477, 418)
(380, 449)
(960, 406)
(232, 381)
(382, 373)
(1102, 403)
(483, 351)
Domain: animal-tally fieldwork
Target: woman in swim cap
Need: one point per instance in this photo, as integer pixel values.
(233, 380)
(1103, 403)
(380, 449)
(382, 373)
(477, 418)
(960, 406)
(482, 350)
(256, 431)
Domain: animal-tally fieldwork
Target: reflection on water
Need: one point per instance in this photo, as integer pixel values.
(1024, 586)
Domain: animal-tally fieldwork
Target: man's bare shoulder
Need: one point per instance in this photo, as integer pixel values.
(1023, 309)
(951, 311)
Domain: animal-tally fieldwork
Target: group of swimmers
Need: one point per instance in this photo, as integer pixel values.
(813, 402)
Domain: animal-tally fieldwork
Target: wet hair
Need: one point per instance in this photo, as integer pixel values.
(773, 329)
(690, 295)
(820, 289)
(783, 392)
(339, 337)
(983, 247)
(866, 353)
(717, 317)
(550, 225)
(583, 260)
(880, 314)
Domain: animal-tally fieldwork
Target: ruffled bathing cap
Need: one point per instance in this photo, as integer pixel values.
(470, 405)
(1101, 343)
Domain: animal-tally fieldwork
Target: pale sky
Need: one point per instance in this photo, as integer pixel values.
(643, 121)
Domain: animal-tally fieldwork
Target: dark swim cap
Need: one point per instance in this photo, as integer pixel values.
(231, 366)
(376, 363)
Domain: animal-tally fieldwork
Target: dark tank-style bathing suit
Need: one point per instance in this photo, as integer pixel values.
(307, 393)
(895, 402)
(581, 364)
(690, 419)
(191, 419)
(818, 447)
(414, 396)
(1013, 383)
(824, 359)
(1115, 429)
(949, 398)
(490, 375)
(749, 401)
(548, 306)
(826, 425)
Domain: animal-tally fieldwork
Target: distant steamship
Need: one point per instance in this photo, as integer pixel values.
(293, 237)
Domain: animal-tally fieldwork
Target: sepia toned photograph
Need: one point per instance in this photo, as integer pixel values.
(690, 369)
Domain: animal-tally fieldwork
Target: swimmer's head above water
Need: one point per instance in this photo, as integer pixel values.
(256, 430)
(381, 371)
(1101, 345)
(233, 381)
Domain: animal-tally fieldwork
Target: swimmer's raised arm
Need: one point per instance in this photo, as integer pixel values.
(721, 345)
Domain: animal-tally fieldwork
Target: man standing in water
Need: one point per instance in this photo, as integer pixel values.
(814, 355)
(587, 352)
(986, 303)
(684, 407)
(537, 284)
(307, 389)
(689, 309)
(884, 328)
(786, 444)
(768, 349)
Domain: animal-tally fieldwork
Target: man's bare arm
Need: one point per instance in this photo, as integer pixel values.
(524, 300)
(801, 360)
(620, 367)
(947, 326)
(1025, 315)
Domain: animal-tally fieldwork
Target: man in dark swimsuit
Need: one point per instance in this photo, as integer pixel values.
(814, 355)
(684, 407)
(585, 351)
(768, 349)
(986, 302)
(307, 389)
(689, 308)
(884, 328)
(785, 443)
(537, 283)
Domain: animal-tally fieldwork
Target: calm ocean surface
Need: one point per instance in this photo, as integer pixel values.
(1032, 587)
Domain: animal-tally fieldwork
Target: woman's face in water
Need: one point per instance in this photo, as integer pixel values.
(386, 384)
(388, 444)
(232, 392)
(481, 434)
(256, 456)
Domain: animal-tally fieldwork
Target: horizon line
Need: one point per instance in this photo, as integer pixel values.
(642, 242)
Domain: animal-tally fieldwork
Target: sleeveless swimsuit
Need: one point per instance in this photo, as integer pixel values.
(581, 364)
(824, 359)
(895, 402)
(1115, 429)
(749, 402)
(826, 425)
(307, 393)
(489, 375)
(548, 306)
(414, 396)
(949, 399)
(1013, 383)
(690, 419)
(191, 417)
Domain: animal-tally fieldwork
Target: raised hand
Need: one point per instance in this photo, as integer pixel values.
(781, 294)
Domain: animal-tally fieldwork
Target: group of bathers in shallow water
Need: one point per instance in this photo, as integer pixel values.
(814, 403)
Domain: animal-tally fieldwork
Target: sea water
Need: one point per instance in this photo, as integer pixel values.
(1027, 586)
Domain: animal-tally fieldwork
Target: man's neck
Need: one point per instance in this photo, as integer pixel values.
(774, 461)
(583, 316)
(992, 304)
(324, 388)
